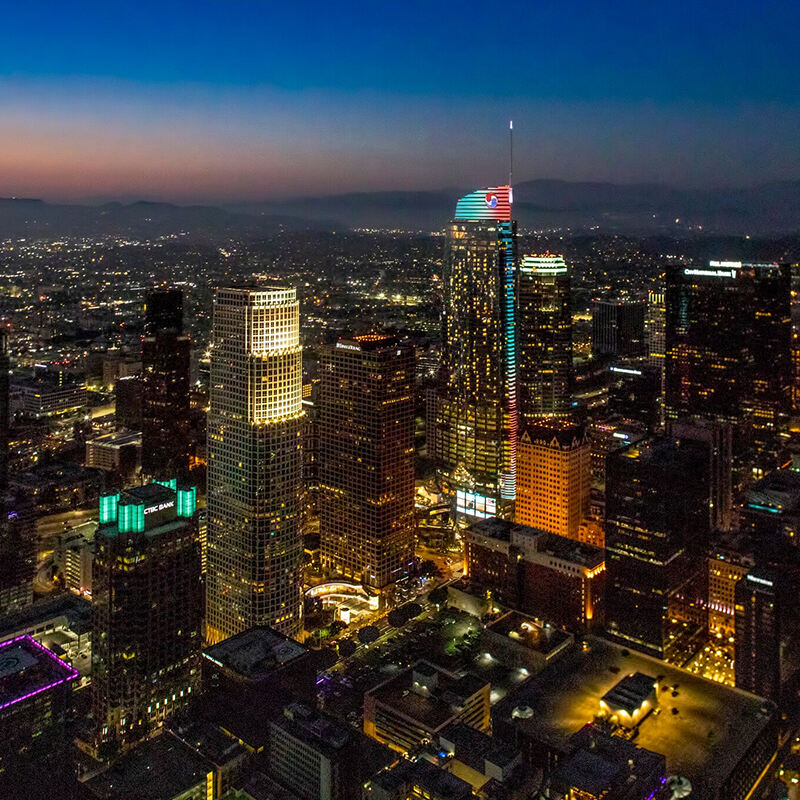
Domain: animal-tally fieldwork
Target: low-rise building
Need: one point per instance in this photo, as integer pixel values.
(120, 452)
(313, 755)
(548, 576)
(415, 705)
(407, 780)
(35, 698)
(48, 397)
(604, 767)
(163, 768)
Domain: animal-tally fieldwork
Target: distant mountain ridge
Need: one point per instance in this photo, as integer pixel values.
(766, 208)
(644, 208)
(143, 219)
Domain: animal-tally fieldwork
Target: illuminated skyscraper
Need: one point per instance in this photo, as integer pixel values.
(4, 415)
(146, 610)
(255, 463)
(554, 478)
(165, 386)
(728, 346)
(545, 338)
(17, 517)
(473, 432)
(366, 459)
(655, 326)
(757, 652)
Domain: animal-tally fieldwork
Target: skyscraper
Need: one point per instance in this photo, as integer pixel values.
(655, 327)
(4, 415)
(473, 433)
(554, 478)
(17, 514)
(255, 465)
(657, 525)
(728, 344)
(757, 665)
(618, 328)
(366, 451)
(146, 610)
(545, 338)
(165, 386)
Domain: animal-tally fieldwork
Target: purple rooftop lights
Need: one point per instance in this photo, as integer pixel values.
(72, 673)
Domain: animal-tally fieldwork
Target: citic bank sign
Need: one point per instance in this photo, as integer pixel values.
(159, 507)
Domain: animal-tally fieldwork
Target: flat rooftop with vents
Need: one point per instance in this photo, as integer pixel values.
(704, 729)
(256, 653)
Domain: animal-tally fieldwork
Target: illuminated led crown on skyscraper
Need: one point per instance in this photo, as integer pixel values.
(493, 203)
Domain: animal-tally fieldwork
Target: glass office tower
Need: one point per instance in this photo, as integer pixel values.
(166, 352)
(473, 430)
(255, 466)
(366, 459)
(728, 354)
(545, 339)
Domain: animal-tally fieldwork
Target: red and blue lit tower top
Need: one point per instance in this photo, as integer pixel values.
(493, 203)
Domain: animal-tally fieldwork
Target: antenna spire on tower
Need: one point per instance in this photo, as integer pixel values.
(510, 150)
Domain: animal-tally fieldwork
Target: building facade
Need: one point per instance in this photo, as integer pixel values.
(165, 386)
(757, 650)
(366, 459)
(472, 428)
(35, 702)
(313, 755)
(542, 574)
(545, 339)
(618, 328)
(657, 527)
(728, 354)
(146, 611)
(554, 478)
(255, 464)
(729, 561)
(416, 704)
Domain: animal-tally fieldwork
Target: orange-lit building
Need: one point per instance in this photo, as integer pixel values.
(728, 562)
(554, 478)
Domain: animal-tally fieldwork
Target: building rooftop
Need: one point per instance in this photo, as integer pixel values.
(314, 728)
(587, 772)
(207, 739)
(599, 762)
(368, 342)
(117, 439)
(255, 653)
(662, 451)
(77, 610)
(433, 782)
(630, 692)
(713, 728)
(556, 435)
(427, 693)
(778, 492)
(566, 549)
(148, 494)
(526, 631)
(473, 747)
(156, 769)
(28, 669)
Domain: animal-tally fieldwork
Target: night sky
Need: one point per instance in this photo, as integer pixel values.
(228, 100)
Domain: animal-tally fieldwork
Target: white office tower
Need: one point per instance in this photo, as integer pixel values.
(254, 463)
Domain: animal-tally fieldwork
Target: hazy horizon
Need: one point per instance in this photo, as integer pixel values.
(219, 103)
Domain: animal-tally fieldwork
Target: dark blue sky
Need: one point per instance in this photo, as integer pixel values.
(254, 98)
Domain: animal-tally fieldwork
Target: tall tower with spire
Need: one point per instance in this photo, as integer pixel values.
(473, 427)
